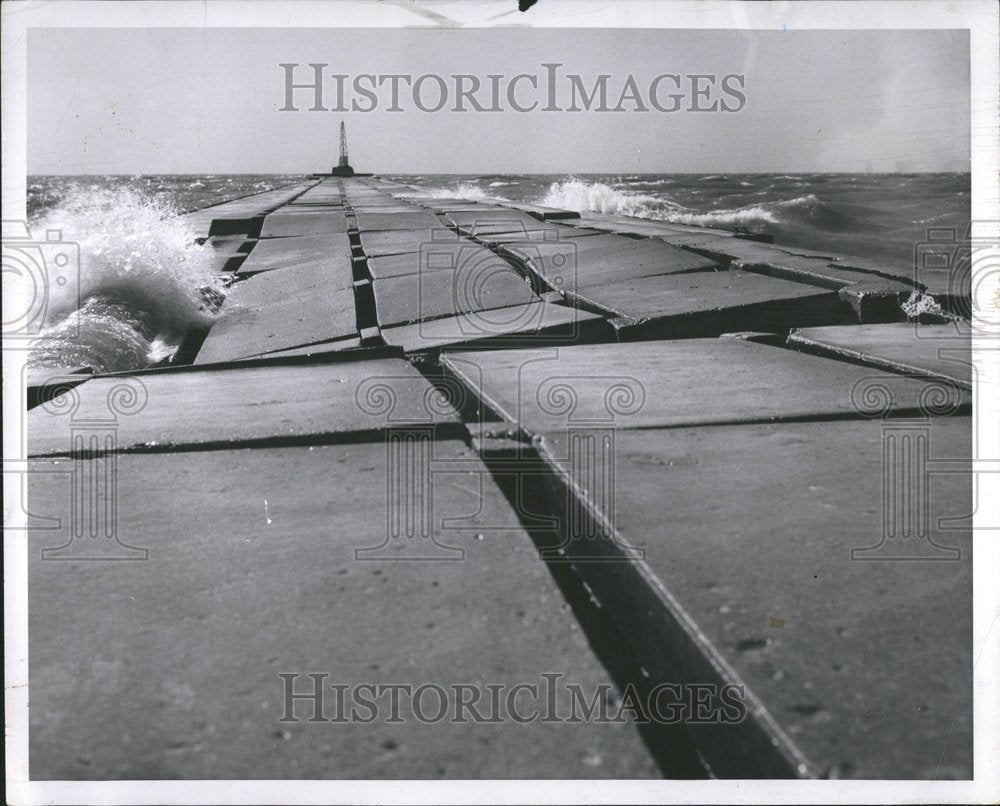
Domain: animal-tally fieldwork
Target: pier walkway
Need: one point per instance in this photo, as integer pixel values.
(447, 443)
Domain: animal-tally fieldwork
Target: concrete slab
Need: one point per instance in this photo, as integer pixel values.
(543, 213)
(321, 194)
(939, 351)
(432, 255)
(879, 301)
(646, 227)
(543, 232)
(42, 384)
(677, 383)
(380, 243)
(245, 208)
(318, 351)
(534, 323)
(489, 214)
(828, 270)
(320, 253)
(268, 287)
(813, 271)
(175, 662)
(385, 207)
(227, 252)
(228, 244)
(193, 407)
(442, 205)
(284, 224)
(710, 303)
(748, 534)
(486, 229)
(936, 275)
(417, 220)
(375, 200)
(482, 281)
(298, 317)
(568, 266)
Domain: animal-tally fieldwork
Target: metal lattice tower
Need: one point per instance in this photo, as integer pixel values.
(343, 146)
(343, 166)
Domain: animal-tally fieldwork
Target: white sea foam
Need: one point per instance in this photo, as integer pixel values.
(138, 261)
(596, 197)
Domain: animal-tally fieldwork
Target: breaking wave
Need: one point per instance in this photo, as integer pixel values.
(595, 197)
(137, 289)
(459, 190)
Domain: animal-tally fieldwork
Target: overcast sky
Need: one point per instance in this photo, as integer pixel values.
(207, 101)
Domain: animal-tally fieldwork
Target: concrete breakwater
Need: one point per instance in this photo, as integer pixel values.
(437, 442)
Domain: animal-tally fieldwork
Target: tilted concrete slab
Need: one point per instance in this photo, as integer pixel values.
(321, 350)
(323, 193)
(488, 214)
(543, 213)
(877, 301)
(543, 232)
(274, 287)
(299, 317)
(571, 265)
(710, 303)
(679, 383)
(951, 286)
(175, 662)
(601, 242)
(433, 254)
(384, 207)
(284, 224)
(536, 322)
(443, 205)
(417, 220)
(803, 265)
(481, 282)
(45, 383)
(646, 227)
(940, 351)
(815, 271)
(748, 547)
(236, 405)
(320, 253)
(249, 207)
(374, 201)
(380, 243)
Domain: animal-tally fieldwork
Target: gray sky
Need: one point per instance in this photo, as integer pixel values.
(207, 101)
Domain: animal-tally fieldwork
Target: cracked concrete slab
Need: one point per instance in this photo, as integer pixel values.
(608, 261)
(480, 282)
(317, 252)
(416, 220)
(678, 383)
(689, 305)
(146, 655)
(277, 317)
(285, 223)
(536, 322)
(434, 254)
(195, 407)
(759, 571)
(942, 351)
